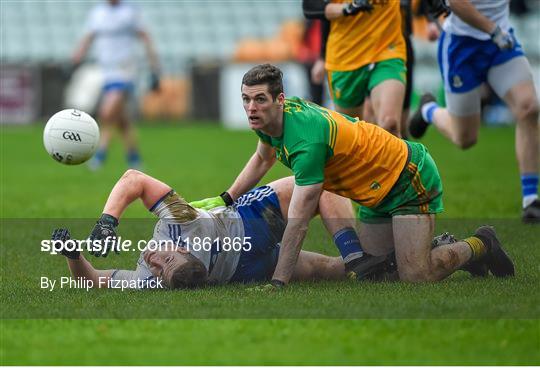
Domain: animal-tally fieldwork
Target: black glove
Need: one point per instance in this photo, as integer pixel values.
(357, 6)
(105, 228)
(154, 81)
(502, 39)
(436, 8)
(63, 236)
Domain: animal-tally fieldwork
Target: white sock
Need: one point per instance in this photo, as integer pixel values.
(428, 108)
(528, 199)
(352, 256)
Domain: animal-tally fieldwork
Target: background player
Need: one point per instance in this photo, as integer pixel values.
(365, 55)
(114, 28)
(259, 216)
(421, 9)
(478, 45)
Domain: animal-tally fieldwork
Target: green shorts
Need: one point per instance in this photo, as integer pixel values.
(418, 190)
(350, 89)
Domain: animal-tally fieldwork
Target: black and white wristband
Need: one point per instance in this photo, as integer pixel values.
(107, 219)
(227, 198)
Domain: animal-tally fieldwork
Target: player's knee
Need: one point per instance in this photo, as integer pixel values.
(391, 124)
(527, 110)
(106, 115)
(465, 141)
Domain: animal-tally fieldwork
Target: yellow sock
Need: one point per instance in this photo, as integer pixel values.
(478, 248)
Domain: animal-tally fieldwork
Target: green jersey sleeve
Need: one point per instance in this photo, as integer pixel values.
(308, 164)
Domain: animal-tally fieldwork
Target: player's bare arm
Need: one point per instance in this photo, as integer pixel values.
(79, 267)
(304, 202)
(150, 50)
(257, 166)
(333, 11)
(84, 269)
(83, 48)
(132, 186)
(468, 13)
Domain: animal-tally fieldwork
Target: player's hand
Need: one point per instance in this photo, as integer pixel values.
(433, 32)
(154, 81)
(63, 236)
(272, 286)
(502, 39)
(318, 71)
(208, 203)
(357, 6)
(105, 228)
(267, 288)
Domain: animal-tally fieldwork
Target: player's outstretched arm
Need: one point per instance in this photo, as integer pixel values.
(82, 49)
(304, 202)
(78, 265)
(257, 166)
(152, 59)
(82, 268)
(468, 13)
(130, 187)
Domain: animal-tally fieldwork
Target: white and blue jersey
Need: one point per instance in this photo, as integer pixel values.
(264, 225)
(466, 54)
(115, 28)
(255, 219)
(497, 11)
(140, 277)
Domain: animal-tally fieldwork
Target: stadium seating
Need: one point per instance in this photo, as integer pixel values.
(184, 31)
(189, 32)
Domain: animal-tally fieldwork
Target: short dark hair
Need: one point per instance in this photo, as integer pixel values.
(265, 74)
(189, 275)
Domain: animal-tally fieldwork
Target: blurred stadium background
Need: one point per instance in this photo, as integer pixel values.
(203, 47)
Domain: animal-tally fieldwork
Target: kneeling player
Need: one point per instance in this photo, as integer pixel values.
(256, 221)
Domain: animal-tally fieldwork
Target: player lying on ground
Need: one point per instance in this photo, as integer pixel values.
(260, 216)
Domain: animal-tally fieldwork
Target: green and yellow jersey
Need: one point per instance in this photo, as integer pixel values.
(350, 157)
(365, 38)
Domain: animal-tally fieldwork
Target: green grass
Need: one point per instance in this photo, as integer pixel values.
(459, 321)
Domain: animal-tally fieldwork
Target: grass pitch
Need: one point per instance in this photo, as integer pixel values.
(459, 321)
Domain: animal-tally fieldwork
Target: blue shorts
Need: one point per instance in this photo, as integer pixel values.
(118, 86)
(465, 61)
(264, 224)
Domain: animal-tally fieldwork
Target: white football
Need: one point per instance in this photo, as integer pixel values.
(71, 136)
